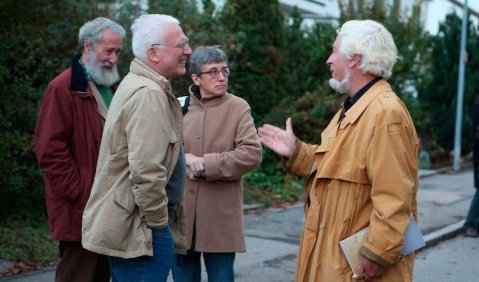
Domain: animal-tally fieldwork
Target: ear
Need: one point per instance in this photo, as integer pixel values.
(87, 48)
(196, 79)
(153, 54)
(355, 61)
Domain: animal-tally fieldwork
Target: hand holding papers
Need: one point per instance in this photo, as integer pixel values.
(413, 241)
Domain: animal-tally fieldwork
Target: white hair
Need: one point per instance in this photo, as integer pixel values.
(92, 30)
(373, 42)
(148, 30)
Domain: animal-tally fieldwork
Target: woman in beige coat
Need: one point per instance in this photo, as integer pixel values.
(221, 145)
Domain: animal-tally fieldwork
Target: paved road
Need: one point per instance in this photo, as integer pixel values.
(272, 237)
(453, 260)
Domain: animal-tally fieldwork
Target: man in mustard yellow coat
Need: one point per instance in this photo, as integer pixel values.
(364, 172)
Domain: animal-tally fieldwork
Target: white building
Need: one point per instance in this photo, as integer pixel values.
(432, 11)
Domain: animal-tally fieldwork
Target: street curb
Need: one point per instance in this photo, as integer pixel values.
(451, 230)
(29, 273)
(442, 234)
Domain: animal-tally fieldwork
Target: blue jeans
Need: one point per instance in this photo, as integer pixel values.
(219, 267)
(147, 268)
(472, 218)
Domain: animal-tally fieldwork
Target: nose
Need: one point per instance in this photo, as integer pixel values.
(329, 61)
(113, 58)
(187, 50)
(221, 76)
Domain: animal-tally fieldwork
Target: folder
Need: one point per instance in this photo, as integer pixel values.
(413, 240)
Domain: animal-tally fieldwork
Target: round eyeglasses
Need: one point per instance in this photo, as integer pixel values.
(215, 72)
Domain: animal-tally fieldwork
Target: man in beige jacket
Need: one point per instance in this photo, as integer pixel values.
(126, 216)
(364, 172)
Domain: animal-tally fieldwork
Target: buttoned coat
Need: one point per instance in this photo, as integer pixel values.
(222, 131)
(363, 174)
(140, 148)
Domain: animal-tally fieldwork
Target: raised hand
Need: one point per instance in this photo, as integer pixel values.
(281, 141)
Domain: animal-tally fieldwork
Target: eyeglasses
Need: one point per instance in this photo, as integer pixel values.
(215, 72)
(182, 45)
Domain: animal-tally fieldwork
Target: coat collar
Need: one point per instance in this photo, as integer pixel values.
(207, 102)
(140, 68)
(360, 106)
(79, 81)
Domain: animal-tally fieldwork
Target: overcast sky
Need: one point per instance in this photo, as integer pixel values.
(438, 9)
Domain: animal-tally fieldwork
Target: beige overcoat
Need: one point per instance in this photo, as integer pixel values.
(222, 131)
(363, 174)
(139, 150)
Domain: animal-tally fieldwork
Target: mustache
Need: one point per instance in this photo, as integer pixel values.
(106, 64)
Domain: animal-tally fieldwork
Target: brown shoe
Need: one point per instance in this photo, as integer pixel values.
(471, 232)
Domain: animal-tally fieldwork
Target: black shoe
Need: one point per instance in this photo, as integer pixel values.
(471, 232)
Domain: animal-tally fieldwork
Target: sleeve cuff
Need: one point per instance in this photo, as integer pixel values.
(212, 171)
(372, 256)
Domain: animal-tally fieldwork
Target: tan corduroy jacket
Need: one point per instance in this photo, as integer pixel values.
(363, 174)
(139, 150)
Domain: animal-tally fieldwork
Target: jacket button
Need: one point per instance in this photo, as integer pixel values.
(192, 192)
(321, 226)
(197, 136)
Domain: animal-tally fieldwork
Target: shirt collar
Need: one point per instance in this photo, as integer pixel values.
(350, 101)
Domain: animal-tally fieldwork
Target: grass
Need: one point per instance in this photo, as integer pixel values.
(271, 191)
(27, 242)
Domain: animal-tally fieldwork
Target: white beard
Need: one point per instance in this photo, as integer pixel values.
(105, 74)
(340, 86)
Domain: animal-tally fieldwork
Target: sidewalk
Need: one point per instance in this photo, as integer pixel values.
(443, 201)
(272, 235)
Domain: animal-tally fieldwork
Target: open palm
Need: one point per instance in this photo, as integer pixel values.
(281, 141)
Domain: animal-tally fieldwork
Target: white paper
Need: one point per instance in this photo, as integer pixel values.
(413, 239)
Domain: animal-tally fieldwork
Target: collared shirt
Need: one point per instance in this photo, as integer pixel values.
(350, 101)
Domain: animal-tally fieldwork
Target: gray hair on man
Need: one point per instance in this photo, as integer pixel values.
(373, 42)
(92, 30)
(147, 30)
(205, 55)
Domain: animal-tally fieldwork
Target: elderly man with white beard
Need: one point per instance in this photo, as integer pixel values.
(67, 141)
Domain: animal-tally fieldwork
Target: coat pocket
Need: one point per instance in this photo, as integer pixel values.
(124, 198)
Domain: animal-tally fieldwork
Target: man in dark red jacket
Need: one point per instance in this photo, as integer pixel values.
(67, 142)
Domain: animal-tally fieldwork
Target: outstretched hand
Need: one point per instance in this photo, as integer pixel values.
(281, 141)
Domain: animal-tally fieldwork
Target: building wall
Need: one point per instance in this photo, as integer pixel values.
(432, 11)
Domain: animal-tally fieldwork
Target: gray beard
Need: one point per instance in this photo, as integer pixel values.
(340, 86)
(100, 73)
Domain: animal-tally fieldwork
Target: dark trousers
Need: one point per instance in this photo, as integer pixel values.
(219, 267)
(80, 265)
(472, 218)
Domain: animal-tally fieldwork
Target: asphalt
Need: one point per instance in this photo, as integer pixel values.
(272, 235)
